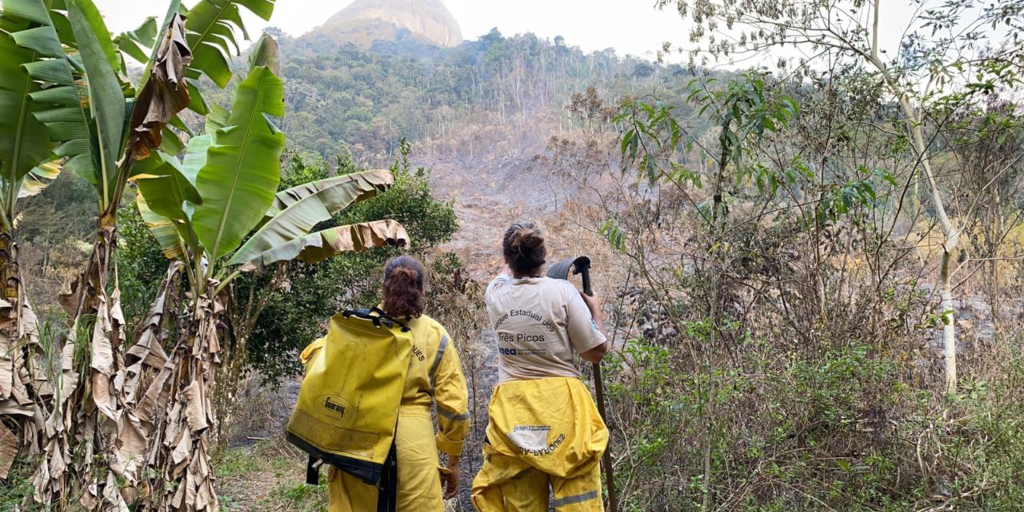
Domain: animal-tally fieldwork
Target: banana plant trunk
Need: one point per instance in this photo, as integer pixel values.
(183, 449)
(87, 416)
(23, 382)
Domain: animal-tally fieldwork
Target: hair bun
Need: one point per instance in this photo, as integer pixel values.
(524, 238)
(403, 272)
(524, 246)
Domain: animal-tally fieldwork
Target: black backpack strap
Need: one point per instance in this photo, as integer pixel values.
(393, 320)
(313, 471)
(376, 316)
(387, 492)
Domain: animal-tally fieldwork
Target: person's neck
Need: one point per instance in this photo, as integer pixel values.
(524, 275)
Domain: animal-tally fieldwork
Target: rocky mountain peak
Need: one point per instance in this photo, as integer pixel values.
(365, 21)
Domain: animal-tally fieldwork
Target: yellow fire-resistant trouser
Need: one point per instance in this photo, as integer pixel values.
(541, 432)
(419, 483)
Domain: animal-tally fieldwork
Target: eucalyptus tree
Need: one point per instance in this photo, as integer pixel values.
(946, 56)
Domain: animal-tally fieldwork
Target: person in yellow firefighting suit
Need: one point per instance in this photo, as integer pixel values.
(435, 376)
(544, 427)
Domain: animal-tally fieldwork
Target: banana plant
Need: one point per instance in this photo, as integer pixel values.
(101, 126)
(63, 107)
(76, 110)
(27, 163)
(64, 100)
(216, 213)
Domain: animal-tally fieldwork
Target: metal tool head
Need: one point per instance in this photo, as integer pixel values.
(561, 269)
(578, 266)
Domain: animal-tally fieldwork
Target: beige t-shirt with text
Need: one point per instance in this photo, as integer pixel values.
(539, 321)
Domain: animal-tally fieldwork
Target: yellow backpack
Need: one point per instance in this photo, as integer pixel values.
(348, 404)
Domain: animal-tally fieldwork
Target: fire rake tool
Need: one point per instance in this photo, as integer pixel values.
(581, 266)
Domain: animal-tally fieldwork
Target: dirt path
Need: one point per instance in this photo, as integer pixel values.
(267, 476)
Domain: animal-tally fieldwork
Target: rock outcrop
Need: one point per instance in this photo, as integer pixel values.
(366, 21)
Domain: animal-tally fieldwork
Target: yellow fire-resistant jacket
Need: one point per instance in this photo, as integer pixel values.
(550, 424)
(435, 372)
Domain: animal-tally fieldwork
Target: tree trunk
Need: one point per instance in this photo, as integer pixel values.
(951, 236)
(993, 237)
(948, 322)
(225, 403)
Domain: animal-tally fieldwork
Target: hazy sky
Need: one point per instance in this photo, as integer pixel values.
(630, 26)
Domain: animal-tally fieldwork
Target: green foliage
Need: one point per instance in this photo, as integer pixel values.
(107, 105)
(411, 202)
(16, 491)
(25, 142)
(133, 43)
(239, 462)
(805, 432)
(211, 26)
(299, 209)
(348, 101)
(302, 497)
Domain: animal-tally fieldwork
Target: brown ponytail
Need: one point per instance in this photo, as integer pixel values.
(403, 288)
(524, 249)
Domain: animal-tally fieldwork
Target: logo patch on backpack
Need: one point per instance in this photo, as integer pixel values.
(336, 407)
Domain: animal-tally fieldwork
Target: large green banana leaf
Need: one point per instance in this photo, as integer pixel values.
(46, 88)
(324, 244)
(381, 179)
(164, 230)
(107, 103)
(24, 139)
(266, 53)
(134, 43)
(170, 187)
(211, 26)
(297, 210)
(195, 156)
(89, 14)
(164, 183)
(243, 165)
